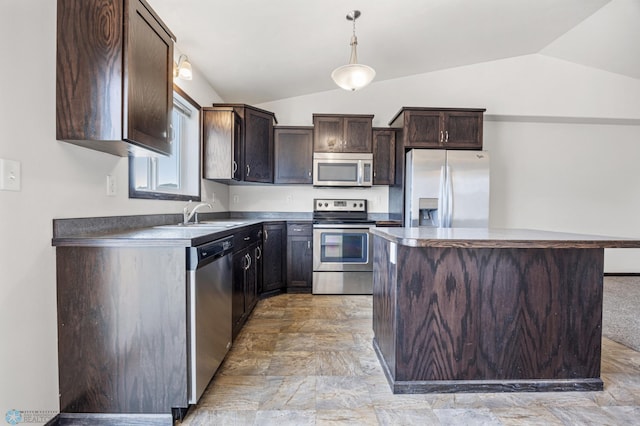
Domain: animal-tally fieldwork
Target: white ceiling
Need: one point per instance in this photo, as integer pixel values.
(255, 51)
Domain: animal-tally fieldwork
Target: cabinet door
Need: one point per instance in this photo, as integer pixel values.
(221, 133)
(238, 303)
(384, 145)
(463, 130)
(251, 279)
(299, 263)
(299, 256)
(294, 155)
(258, 146)
(273, 258)
(328, 133)
(357, 134)
(147, 84)
(422, 129)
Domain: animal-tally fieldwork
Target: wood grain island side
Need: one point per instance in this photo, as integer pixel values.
(489, 310)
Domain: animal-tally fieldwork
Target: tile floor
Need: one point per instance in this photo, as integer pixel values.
(308, 360)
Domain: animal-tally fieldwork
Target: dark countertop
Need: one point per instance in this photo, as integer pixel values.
(160, 235)
(150, 230)
(498, 238)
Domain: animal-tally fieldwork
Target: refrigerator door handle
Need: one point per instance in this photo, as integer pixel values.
(442, 214)
(449, 198)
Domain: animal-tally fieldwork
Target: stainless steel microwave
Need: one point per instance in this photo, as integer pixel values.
(342, 169)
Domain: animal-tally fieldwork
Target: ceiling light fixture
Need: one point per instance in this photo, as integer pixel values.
(182, 68)
(353, 76)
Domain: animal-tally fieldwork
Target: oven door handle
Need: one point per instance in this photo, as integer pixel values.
(343, 226)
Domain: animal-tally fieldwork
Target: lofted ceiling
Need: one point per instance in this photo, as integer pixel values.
(256, 51)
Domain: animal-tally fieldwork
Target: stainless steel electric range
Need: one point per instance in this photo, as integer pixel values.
(342, 247)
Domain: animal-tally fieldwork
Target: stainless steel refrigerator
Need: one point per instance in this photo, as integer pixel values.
(447, 189)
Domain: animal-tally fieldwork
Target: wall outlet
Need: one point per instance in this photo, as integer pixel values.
(9, 175)
(112, 189)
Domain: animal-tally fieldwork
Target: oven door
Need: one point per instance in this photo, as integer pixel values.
(342, 247)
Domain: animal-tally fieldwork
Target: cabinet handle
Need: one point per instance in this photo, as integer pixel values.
(171, 133)
(309, 173)
(248, 262)
(234, 167)
(247, 238)
(258, 252)
(248, 170)
(308, 244)
(446, 136)
(266, 235)
(441, 136)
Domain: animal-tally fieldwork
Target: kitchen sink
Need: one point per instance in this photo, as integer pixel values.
(191, 226)
(220, 223)
(202, 225)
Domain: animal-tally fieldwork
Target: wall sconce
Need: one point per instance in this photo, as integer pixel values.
(182, 68)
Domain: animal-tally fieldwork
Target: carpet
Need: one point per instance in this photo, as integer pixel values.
(620, 316)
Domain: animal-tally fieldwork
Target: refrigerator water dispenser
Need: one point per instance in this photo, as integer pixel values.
(428, 212)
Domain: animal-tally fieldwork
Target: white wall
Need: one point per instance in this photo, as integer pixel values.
(59, 180)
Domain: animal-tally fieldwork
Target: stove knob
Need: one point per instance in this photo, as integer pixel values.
(355, 204)
(326, 204)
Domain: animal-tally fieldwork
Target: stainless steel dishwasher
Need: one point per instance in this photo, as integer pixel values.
(209, 272)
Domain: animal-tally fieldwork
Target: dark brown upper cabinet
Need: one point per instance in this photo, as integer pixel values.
(342, 133)
(114, 86)
(384, 146)
(442, 128)
(222, 143)
(294, 154)
(238, 143)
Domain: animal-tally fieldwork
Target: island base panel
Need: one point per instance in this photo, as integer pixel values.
(488, 319)
(488, 386)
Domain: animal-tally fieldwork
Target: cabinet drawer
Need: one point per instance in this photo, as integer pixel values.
(247, 236)
(297, 228)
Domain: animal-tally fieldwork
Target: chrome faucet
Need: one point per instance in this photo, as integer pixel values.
(187, 215)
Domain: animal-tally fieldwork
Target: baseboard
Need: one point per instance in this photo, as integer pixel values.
(622, 274)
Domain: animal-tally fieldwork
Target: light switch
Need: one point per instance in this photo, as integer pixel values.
(9, 175)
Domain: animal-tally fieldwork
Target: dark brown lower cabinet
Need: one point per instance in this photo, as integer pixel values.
(299, 257)
(274, 265)
(122, 332)
(247, 245)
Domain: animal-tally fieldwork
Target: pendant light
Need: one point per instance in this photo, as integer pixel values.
(353, 76)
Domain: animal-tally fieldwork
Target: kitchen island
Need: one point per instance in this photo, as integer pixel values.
(489, 310)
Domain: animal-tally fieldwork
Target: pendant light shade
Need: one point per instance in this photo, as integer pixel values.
(353, 76)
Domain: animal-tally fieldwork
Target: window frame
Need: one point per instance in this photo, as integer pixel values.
(151, 195)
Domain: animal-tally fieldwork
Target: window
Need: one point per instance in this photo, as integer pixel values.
(176, 177)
